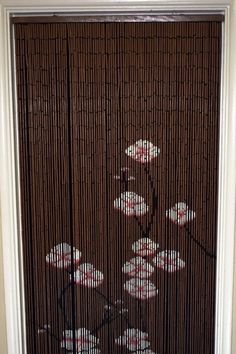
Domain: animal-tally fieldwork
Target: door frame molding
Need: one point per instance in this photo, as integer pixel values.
(9, 159)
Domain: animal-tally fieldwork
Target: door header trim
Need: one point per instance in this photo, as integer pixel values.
(119, 18)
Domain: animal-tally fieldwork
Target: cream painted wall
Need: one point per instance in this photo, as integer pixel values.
(3, 339)
(234, 313)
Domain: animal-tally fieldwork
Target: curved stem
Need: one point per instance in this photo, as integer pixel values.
(154, 201)
(209, 254)
(105, 322)
(52, 335)
(143, 316)
(114, 306)
(61, 302)
(141, 311)
(143, 231)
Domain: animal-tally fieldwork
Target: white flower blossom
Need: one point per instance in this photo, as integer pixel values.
(145, 247)
(169, 261)
(87, 275)
(142, 151)
(133, 339)
(83, 340)
(61, 256)
(138, 267)
(142, 289)
(131, 204)
(180, 214)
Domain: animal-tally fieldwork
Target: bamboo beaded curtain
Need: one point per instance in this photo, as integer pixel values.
(118, 127)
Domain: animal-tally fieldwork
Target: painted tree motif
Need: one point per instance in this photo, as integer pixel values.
(147, 259)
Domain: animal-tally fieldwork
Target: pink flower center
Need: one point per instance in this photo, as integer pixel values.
(167, 260)
(130, 203)
(145, 247)
(66, 256)
(81, 341)
(137, 267)
(134, 341)
(140, 288)
(181, 213)
(142, 151)
(89, 274)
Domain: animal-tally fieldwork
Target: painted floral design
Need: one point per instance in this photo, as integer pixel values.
(84, 341)
(124, 175)
(142, 151)
(142, 289)
(169, 261)
(44, 329)
(133, 339)
(180, 214)
(88, 275)
(145, 247)
(138, 267)
(131, 204)
(119, 305)
(61, 256)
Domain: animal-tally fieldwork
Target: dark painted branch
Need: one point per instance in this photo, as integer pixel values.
(198, 243)
(61, 302)
(115, 307)
(52, 335)
(143, 232)
(154, 201)
(105, 322)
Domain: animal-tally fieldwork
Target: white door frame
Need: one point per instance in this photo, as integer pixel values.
(9, 174)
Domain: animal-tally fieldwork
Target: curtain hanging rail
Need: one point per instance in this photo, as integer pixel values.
(119, 18)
